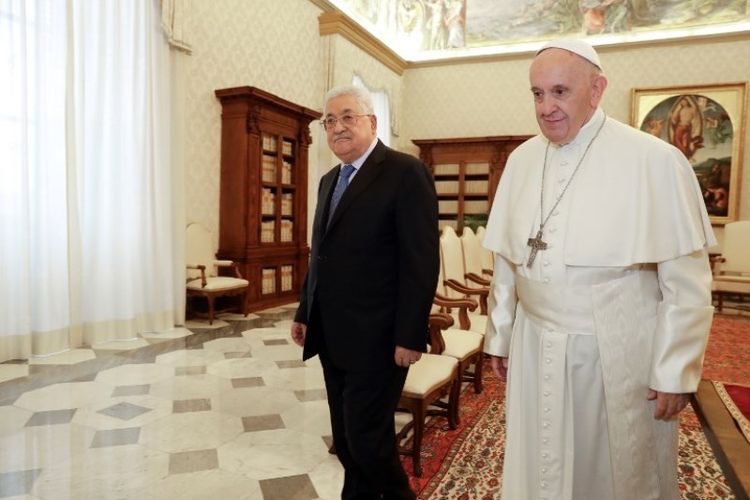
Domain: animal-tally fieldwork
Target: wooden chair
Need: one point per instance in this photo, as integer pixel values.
(457, 285)
(461, 343)
(202, 277)
(429, 380)
(474, 258)
(488, 257)
(732, 268)
(468, 348)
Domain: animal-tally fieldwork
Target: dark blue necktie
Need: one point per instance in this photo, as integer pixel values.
(338, 191)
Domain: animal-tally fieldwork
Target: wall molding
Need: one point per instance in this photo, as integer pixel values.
(337, 23)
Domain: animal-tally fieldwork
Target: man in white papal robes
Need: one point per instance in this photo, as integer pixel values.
(600, 303)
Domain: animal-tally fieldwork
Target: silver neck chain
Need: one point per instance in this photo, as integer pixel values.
(544, 171)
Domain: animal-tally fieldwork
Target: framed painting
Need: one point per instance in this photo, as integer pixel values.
(706, 123)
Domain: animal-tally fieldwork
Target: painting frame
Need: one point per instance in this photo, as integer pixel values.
(696, 119)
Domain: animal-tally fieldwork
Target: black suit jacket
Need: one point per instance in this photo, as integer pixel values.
(374, 270)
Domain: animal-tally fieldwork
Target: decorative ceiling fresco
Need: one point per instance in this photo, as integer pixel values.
(426, 29)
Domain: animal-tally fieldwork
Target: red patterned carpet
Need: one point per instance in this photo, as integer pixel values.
(466, 464)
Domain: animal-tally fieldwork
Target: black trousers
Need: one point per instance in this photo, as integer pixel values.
(362, 406)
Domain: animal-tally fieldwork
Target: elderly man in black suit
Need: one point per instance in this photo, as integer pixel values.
(365, 304)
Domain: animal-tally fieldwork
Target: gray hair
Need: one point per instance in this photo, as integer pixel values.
(362, 96)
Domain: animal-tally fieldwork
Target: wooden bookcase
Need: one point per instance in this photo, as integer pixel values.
(263, 192)
(466, 172)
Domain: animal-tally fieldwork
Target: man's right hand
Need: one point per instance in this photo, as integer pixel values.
(499, 366)
(299, 330)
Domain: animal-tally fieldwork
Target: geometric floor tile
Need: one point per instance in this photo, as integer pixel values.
(248, 382)
(17, 483)
(131, 390)
(311, 395)
(116, 437)
(273, 453)
(190, 370)
(64, 396)
(295, 363)
(124, 411)
(288, 488)
(262, 423)
(51, 417)
(10, 371)
(149, 373)
(69, 357)
(234, 355)
(86, 377)
(276, 342)
(328, 440)
(213, 417)
(188, 405)
(13, 419)
(192, 461)
(201, 430)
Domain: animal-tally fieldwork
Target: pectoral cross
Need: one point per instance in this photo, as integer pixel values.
(536, 244)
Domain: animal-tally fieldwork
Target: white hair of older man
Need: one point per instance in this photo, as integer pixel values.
(362, 96)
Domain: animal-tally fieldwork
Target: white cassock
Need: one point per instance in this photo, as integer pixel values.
(618, 303)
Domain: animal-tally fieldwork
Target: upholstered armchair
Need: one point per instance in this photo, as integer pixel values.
(732, 267)
(429, 380)
(457, 285)
(488, 257)
(461, 342)
(474, 258)
(202, 271)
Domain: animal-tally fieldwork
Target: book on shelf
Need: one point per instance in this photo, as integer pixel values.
(446, 187)
(475, 206)
(267, 231)
(268, 169)
(448, 206)
(268, 202)
(269, 142)
(287, 204)
(476, 187)
(446, 169)
(268, 280)
(477, 168)
(286, 172)
(287, 230)
(286, 278)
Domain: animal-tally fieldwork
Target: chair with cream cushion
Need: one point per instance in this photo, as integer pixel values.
(202, 271)
(429, 380)
(468, 348)
(732, 271)
(457, 285)
(473, 258)
(488, 257)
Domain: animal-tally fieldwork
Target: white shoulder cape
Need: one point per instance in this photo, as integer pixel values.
(635, 200)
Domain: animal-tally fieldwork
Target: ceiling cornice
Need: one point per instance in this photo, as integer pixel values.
(336, 23)
(333, 21)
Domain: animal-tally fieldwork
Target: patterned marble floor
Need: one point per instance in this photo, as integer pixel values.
(190, 414)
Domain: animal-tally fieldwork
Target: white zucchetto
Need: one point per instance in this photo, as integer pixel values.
(578, 47)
